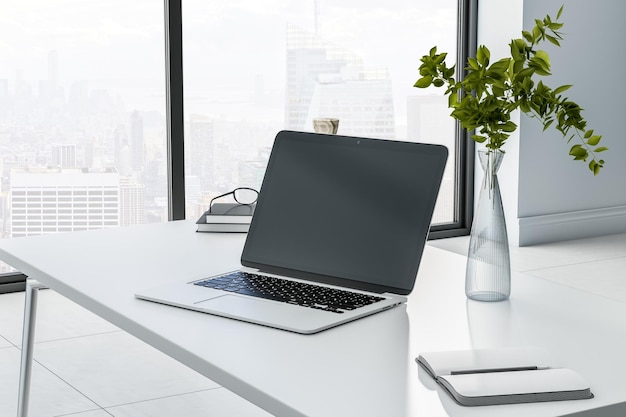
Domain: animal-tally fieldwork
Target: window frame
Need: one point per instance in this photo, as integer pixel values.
(175, 121)
(465, 146)
(464, 155)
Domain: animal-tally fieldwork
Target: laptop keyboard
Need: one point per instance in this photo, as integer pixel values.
(292, 292)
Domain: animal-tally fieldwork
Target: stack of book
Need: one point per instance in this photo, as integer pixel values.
(226, 218)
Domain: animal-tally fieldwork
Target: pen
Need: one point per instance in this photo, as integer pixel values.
(511, 369)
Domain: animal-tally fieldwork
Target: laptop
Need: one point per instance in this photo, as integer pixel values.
(337, 234)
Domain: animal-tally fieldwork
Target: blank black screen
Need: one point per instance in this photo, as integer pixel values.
(342, 207)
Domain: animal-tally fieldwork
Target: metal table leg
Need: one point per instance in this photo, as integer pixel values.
(28, 336)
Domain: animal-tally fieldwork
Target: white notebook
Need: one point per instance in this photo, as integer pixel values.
(503, 376)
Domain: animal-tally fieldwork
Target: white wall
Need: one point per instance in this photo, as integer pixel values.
(549, 197)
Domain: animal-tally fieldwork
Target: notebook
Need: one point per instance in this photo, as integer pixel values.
(503, 376)
(335, 214)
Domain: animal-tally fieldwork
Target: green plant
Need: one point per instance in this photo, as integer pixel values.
(485, 98)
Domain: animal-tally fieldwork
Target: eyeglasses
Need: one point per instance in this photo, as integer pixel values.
(242, 195)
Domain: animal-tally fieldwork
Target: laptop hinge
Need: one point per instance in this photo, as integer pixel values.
(325, 279)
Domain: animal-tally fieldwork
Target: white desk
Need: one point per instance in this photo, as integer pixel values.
(364, 368)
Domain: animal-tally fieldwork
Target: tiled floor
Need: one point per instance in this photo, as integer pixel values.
(596, 265)
(86, 367)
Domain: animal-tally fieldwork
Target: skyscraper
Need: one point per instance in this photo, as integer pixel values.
(49, 88)
(53, 68)
(325, 80)
(52, 200)
(201, 151)
(64, 156)
(137, 141)
(132, 202)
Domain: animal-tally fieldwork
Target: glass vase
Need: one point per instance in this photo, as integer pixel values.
(488, 273)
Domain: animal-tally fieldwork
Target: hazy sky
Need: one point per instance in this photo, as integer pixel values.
(227, 44)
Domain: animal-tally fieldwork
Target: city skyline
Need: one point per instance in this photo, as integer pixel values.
(60, 114)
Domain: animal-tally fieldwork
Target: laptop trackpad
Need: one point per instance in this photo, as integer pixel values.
(264, 312)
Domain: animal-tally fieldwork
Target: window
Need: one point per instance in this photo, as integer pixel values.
(83, 100)
(252, 70)
(82, 115)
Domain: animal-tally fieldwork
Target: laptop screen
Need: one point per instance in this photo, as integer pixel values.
(345, 210)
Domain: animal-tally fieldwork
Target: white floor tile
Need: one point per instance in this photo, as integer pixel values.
(4, 343)
(569, 252)
(94, 413)
(550, 255)
(605, 278)
(57, 318)
(116, 368)
(217, 402)
(49, 396)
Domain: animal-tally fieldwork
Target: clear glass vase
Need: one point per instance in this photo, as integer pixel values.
(488, 273)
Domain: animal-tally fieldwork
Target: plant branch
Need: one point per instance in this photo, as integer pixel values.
(485, 98)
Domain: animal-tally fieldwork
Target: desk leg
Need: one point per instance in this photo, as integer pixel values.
(28, 336)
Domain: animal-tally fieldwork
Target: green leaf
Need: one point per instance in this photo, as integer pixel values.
(478, 138)
(509, 127)
(558, 15)
(440, 58)
(473, 64)
(588, 134)
(561, 89)
(453, 98)
(425, 70)
(543, 56)
(542, 72)
(594, 140)
(553, 40)
(500, 66)
(554, 27)
(548, 124)
(528, 36)
(424, 82)
(524, 107)
(601, 149)
(483, 55)
(577, 151)
(515, 52)
(438, 83)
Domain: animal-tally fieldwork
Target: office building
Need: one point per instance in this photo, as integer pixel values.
(325, 80)
(132, 202)
(192, 194)
(50, 92)
(251, 172)
(52, 200)
(200, 150)
(137, 141)
(64, 156)
(361, 100)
